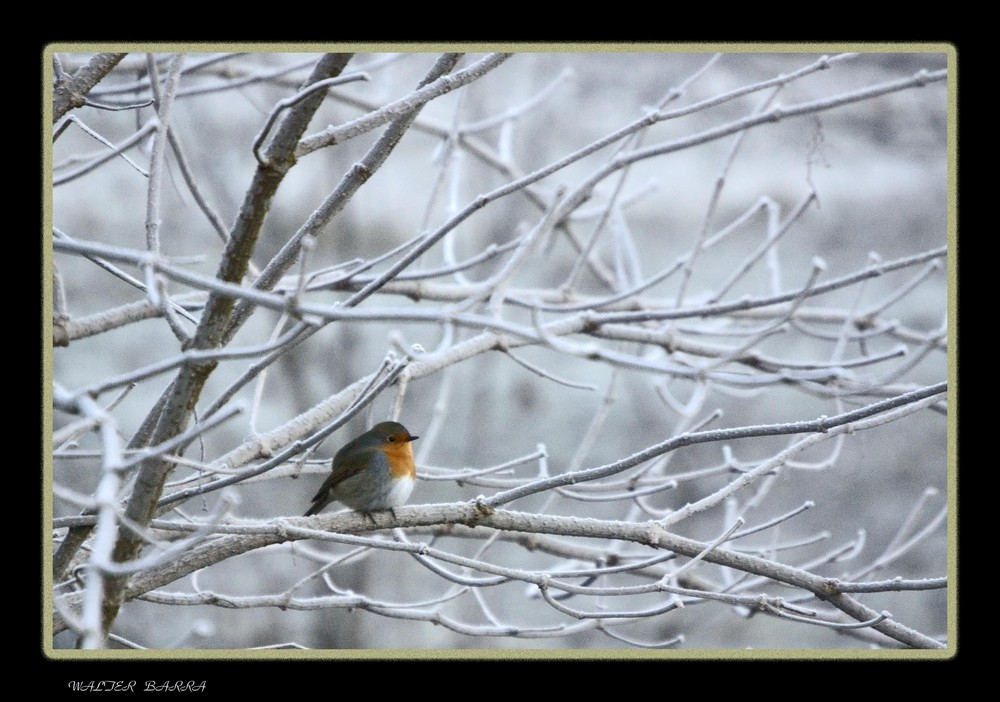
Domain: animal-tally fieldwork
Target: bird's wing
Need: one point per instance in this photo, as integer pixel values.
(346, 468)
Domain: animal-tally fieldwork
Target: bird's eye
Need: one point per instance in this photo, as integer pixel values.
(392, 438)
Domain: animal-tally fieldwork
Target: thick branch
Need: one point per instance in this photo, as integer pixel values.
(478, 515)
(71, 92)
(185, 390)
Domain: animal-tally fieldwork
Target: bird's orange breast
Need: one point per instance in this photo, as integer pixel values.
(400, 457)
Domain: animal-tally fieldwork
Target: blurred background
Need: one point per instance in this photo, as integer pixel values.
(878, 169)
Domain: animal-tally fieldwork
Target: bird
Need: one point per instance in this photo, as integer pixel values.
(373, 472)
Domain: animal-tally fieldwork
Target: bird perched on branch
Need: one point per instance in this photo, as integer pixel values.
(371, 473)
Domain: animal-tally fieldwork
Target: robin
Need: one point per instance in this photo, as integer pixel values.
(373, 472)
